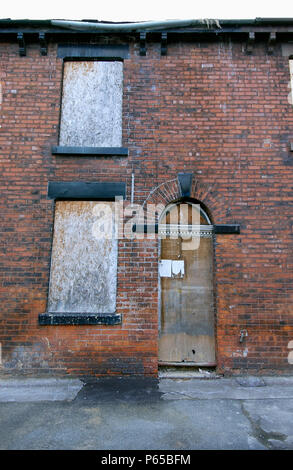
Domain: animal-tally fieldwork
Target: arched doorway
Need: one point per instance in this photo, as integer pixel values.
(186, 275)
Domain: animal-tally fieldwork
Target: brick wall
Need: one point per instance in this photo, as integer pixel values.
(206, 108)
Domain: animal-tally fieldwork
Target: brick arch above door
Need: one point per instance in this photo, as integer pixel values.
(207, 194)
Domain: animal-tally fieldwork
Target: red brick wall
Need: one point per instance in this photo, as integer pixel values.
(209, 109)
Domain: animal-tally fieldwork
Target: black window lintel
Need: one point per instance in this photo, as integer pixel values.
(218, 228)
(81, 190)
(93, 51)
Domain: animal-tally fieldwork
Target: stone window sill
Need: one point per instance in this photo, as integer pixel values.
(54, 318)
(94, 151)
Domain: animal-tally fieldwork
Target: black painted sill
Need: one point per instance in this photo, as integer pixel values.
(54, 318)
(102, 151)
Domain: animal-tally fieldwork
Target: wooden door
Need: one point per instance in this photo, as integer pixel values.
(187, 307)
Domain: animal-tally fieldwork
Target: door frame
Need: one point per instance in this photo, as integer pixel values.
(204, 212)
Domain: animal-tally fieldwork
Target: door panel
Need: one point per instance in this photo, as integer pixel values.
(187, 307)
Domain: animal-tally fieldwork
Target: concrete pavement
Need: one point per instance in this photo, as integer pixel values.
(129, 414)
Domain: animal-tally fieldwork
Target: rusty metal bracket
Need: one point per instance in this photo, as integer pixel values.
(21, 43)
(43, 44)
(164, 37)
(142, 44)
(271, 43)
(242, 335)
(250, 43)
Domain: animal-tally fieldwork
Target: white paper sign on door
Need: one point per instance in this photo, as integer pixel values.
(171, 268)
(165, 268)
(178, 268)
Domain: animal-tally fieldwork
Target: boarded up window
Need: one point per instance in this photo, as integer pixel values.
(83, 266)
(91, 114)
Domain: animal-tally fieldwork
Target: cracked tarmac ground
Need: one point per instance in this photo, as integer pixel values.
(133, 414)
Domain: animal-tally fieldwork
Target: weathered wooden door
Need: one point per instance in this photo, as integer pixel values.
(187, 307)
